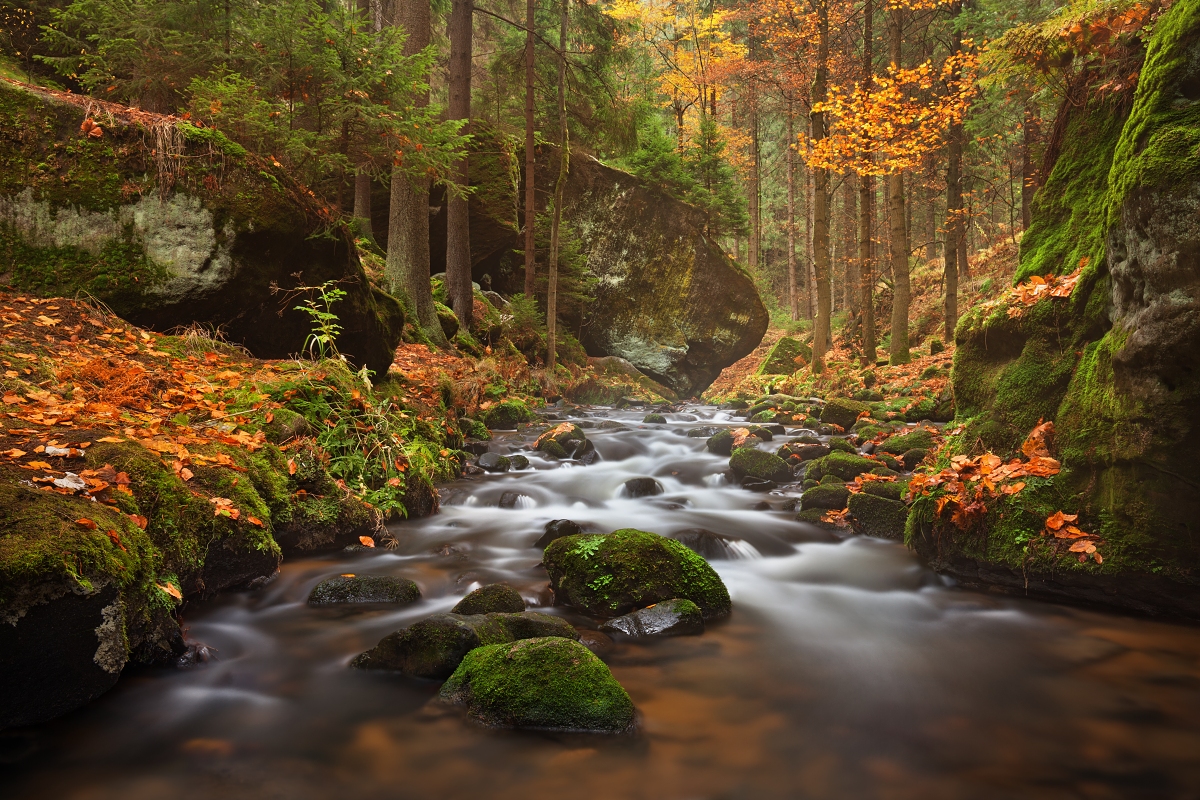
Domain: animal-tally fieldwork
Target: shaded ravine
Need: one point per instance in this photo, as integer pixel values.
(846, 670)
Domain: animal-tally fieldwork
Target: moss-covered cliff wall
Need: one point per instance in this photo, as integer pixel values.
(1115, 365)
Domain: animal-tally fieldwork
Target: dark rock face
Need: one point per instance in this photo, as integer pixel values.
(494, 462)
(364, 589)
(435, 646)
(495, 597)
(207, 250)
(704, 542)
(60, 655)
(546, 683)
(510, 499)
(668, 618)
(643, 487)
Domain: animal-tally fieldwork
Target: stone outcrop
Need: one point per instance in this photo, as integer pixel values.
(170, 224)
(1116, 365)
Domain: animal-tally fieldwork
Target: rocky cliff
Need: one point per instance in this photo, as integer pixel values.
(1116, 366)
(171, 224)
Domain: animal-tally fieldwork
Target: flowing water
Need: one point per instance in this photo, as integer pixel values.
(846, 670)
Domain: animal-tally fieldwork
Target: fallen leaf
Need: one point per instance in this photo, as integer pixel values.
(170, 589)
(254, 521)
(87, 524)
(367, 541)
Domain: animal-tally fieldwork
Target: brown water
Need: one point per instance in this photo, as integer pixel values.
(847, 670)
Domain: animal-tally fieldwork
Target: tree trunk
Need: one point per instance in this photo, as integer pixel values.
(809, 262)
(821, 266)
(458, 221)
(793, 302)
(866, 203)
(564, 162)
(360, 222)
(1030, 131)
(850, 294)
(407, 266)
(754, 190)
(953, 219)
(899, 223)
(530, 155)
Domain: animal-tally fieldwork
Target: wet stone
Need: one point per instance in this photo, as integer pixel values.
(519, 462)
(494, 462)
(712, 546)
(668, 618)
(496, 597)
(703, 433)
(599, 643)
(510, 499)
(752, 484)
(556, 529)
(643, 487)
(364, 589)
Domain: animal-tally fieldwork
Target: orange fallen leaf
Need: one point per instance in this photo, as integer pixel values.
(111, 439)
(14, 453)
(367, 541)
(170, 589)
(291, 466)
(255, 521)
(86, 523)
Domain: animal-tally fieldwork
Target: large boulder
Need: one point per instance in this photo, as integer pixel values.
(555, 684)
(170, 224)
(1115, 366)
(785, 357)
(667, 299)
(613, 574)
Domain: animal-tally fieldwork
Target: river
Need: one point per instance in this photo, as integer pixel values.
(847, 670)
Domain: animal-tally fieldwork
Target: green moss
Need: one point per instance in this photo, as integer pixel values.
(831, 496)
(878, 516)
(213, 138)
(610, 575)
(898, 445)
(843, 446)
(843, 465)
(842, 411)
(507, 415)
(781, 358)
(758, 464)
(540, 683)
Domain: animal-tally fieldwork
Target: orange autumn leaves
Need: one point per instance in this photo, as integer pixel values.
(970, 482)
(1028, 292)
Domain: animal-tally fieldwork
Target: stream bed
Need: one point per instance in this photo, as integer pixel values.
(847, 670)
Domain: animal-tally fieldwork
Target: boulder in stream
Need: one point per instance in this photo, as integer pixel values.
(613, 574)
(843, 412)
(747, 462)
(495, 597)
(434, 646)
(878, 516)
(643, 487)
(364, 589)
(557, 529)
(544, 683)
(668, 618)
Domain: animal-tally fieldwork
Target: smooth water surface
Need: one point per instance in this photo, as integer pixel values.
(847, 670)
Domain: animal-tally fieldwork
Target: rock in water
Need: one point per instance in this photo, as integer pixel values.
(364, 589)
(555, 684)
(668, 618)
(842, 411)
(494, 462)
(434, 646)
(207, 250)
(613, 574)
(757, 464)
(556, 529)
(878, 516)
(643, 487)
(497, 597)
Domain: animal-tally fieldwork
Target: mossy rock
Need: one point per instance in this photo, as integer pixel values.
(842, 411)
(546, 684)
(88, 216)
(364, 589)
(827, 480)
(846, 466)
(613, 574)
(435, 646)
(843, 446)
(495, 597)
(654, 419)
(912, 458)
(446, 319)
(878, 516)
(508, 415)
(764, 416)
(892, 490)
(830, 496)
(782, 357)
(902, 443)
(474, 429)
(720, 443)
(757, 464)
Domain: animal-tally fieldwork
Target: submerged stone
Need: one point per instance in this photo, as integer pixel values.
(557, 529)
(364, 589)
(668, 618)
(643, 487)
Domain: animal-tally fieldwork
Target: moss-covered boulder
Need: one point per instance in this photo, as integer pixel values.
(842, 411)
(843, 446)
(654, 419)
(210, 245)
(1115, 366)
(755, 463)
(507, 415)
(877, 516)
(846, 466)
(902, 443)
(495, 597)
(436, 645)
(447, 320)
(613, 574)
(554, 684)
(785, 357)
(825, 496)
(364, 589)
